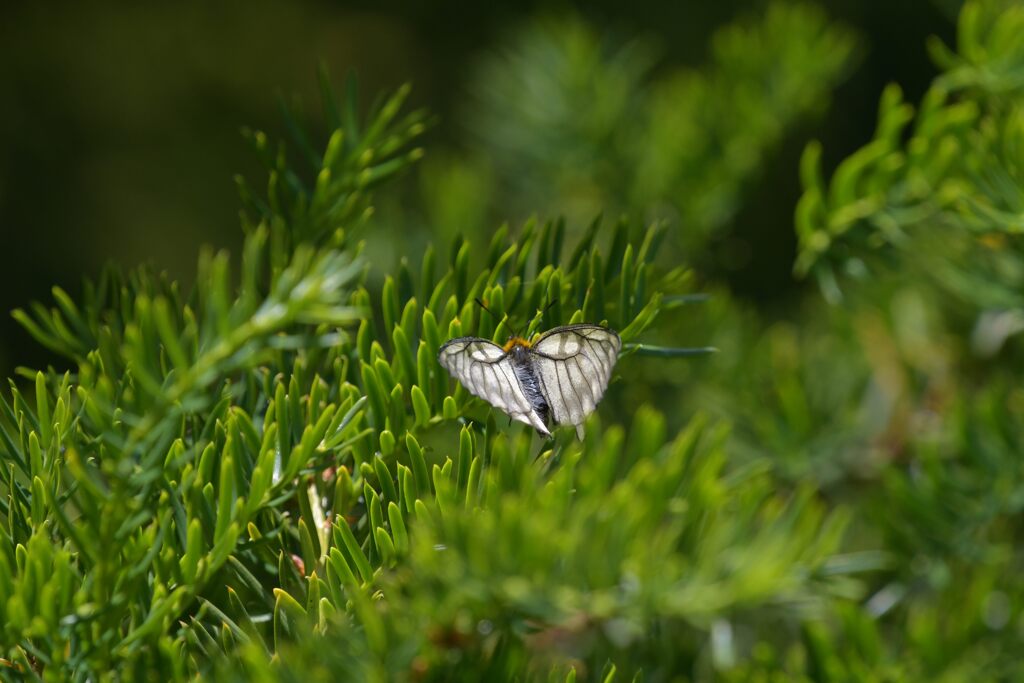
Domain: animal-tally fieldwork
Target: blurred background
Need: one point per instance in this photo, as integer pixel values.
(121, 122)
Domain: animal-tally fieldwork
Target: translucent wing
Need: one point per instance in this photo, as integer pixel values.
(486, 371)
(574, 364)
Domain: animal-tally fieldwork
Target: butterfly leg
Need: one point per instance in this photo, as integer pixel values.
(548, 440)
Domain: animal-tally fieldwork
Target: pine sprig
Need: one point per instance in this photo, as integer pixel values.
(330, 192)
(949, 196)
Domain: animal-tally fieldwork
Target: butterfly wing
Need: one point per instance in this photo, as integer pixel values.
(574, 364)
(486, 371)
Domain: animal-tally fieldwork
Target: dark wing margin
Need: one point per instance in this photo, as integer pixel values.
(486, 371)
(574, 365)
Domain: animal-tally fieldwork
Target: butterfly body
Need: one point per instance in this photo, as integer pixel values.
(560, 377)
(526, 374)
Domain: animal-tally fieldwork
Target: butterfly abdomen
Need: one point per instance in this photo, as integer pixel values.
(522, 364)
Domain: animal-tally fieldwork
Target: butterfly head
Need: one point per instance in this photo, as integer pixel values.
(515, 341)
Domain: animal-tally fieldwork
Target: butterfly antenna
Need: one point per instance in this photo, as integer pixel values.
(481, 305)
(540, 314)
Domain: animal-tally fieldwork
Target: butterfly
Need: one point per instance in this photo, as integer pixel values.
(560, 377)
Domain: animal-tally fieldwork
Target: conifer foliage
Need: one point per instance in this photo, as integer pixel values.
(266, 475)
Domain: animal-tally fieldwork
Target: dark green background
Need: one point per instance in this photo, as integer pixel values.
(120, 122)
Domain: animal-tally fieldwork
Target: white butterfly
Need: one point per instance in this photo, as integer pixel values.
(562, 375)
